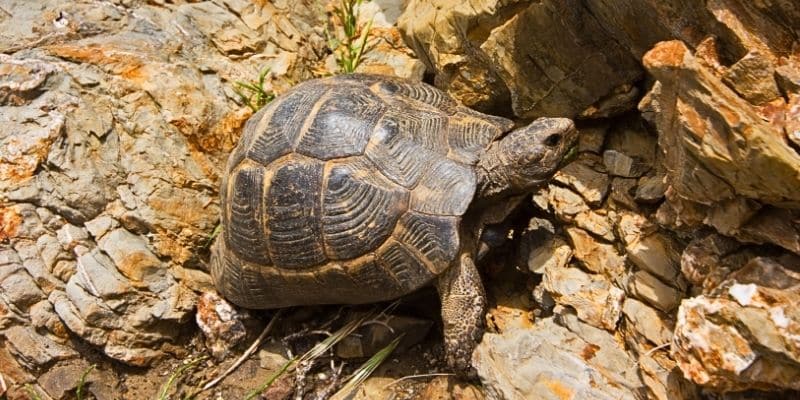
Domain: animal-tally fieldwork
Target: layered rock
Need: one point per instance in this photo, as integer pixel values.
(117, 121)
(744, 333)
(548, 58)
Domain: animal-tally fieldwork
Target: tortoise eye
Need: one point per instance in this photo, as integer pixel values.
(553, 139)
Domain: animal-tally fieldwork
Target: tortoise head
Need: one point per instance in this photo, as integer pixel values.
(525, 158)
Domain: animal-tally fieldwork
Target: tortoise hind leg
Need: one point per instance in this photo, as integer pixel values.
(463, 309)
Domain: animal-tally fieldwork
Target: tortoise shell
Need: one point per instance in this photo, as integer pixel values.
(348, 189)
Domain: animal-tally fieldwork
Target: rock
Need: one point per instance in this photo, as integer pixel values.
(33, 350)
(18, 287)
(371, 338)
(228, 33)
(273, 355)
(623, 192)
(497, 54)
(70, 236)
(701, 162)
(753, 223)
(739, 336)
(550, 362)
(621, 99)
(570, 207)
(388, 54)
(595, 256)
(100, 225)
(21, 80)
(133, 258)
(544, 251)
(788, 77)
(595, 299)
(448, 388)
(752, 77)
(647, 287)
(649, 249)
(651, 324)
(664, 379)
(220, 323)
(29, 132)
(709, 259)
(591, 138)
(620, 164)
(582, 176)
(651, 189)
(63, 378)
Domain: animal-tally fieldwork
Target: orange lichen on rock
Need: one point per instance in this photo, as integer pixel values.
(10, 221)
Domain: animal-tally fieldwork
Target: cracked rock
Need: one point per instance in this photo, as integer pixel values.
(550, 362)
(742, 335)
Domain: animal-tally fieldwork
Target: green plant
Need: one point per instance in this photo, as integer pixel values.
(352, 45)
(365, 370)
(210, 240)
(82, 382)
(271, 379)
(253, 93)
(32, 392)
(311, 355)
(176, 374)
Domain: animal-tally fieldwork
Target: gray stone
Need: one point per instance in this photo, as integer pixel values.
(100, 225)
(753, 78)
(63, 378)
(623, 192)
(591, 138)
(595, 299)
(550, 362)
(570, 207)
(97, 275)
(788, 78)
(597, 257)
(20, 289)
(21, 79)
(651, 189)
(34, 350)
(582, 176)
(710, 171)
(497, 54)
(665, 381)
(70, 235)
(648, 322)
(131, 256)
(227, 32)
(621, 164)
(50, 250)
(651, 250)
(545, 251)
(647, 287)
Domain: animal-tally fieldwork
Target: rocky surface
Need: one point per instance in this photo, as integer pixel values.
(662, 262)
(118, 118)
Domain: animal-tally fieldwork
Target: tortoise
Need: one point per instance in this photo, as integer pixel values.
(363, 188)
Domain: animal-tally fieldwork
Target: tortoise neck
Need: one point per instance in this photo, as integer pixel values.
(493, 178)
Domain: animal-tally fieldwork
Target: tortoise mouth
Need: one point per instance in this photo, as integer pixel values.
(570, 155)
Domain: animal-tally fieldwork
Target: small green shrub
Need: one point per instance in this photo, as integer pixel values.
(351, 43)
(253, 93)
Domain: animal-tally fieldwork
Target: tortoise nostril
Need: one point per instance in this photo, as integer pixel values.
(553, 139)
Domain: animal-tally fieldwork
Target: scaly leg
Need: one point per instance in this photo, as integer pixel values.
(463, 310)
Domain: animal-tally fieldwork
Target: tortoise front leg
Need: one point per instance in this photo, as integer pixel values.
(463, 309)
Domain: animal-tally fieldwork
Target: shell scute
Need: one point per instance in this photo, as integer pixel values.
(360, 208)
(245, 234)
(293, 207)
(342, 125)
